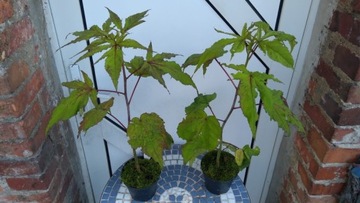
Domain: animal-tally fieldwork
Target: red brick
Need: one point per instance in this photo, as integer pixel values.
(304, 177)
(348, 62)
(350, 117)
(321, 122)
(331, 173)
(6, 10)
(306, 156)
(354, 95)
(297, 185)
(15, 75)
(318, 189)
(13, 168)
(37, 183)
(14, 107)
(27, 147)
(15, 36)
(341, 155)
(331, 107)
(345, 136)
(23, 128)
(356, 6)
(342, 23)
(332, 79)
(326, 189)
(318, 144)
(321, 199)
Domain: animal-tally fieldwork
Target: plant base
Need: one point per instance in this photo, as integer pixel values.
(218, 180)
(143, 194)
(142, 185)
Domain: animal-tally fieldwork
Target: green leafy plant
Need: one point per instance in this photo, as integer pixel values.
(111, 40)
(204, 132)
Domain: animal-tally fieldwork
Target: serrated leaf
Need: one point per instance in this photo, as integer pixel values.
(175, 71)
(134, 20)
(113, 64)
(199, 130)
(201, 133)
(130, 43)
(275, 105)
(247, 93)
(215, 51)
(148, 133)
(192, 60)
(68, 107)
(157, 66)
(95, 115)
(200, 103)
(277, 51)
(115, 19)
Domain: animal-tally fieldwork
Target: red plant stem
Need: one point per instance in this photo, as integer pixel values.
(117, 120)
(127, 103)
(132, 93)
(233, 107)
(226, 73)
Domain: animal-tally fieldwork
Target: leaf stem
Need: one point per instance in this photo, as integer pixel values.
(226, 73)
(117, 120)
(132, 93)
(127, 103)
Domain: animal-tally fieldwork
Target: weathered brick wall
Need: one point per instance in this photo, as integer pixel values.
(33, 166)
(331, 114)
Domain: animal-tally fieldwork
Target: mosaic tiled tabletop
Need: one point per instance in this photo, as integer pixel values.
(178, 183)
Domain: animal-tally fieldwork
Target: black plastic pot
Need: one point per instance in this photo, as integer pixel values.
(218, 180)
(217, 187)
(143, 194)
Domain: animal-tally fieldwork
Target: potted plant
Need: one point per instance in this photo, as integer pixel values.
(203, 132)
(146, 131)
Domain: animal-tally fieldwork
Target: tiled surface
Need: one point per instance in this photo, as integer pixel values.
(178, 184)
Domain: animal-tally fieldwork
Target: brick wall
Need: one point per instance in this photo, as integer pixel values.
(331, 114)
(33, 167)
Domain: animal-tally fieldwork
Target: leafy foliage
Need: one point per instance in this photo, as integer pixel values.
(199, 130)
(251, 87)
(148, 132)
(110, 41)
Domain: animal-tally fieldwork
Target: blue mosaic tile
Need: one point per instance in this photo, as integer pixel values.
(178, 183)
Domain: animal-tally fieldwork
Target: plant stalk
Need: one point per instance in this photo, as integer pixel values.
(127, 102)
(233, 105)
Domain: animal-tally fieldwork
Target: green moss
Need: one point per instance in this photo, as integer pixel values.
(150, 172)
(227, 170)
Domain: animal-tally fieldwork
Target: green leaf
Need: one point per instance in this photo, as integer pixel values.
(239, 156)
(113, 64)
(115, 19)
(248, 153)
(215, 51)
(200, 103)
(95, 115)
(68, 107)
(157, 66)
(275, 104)
(247, 93)
(199, 130)
(175, 71)
(130, 43)
(134, 20)
(75, 102)
(192, 60)
(277, 51)
(201, 133)
(148, 132)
